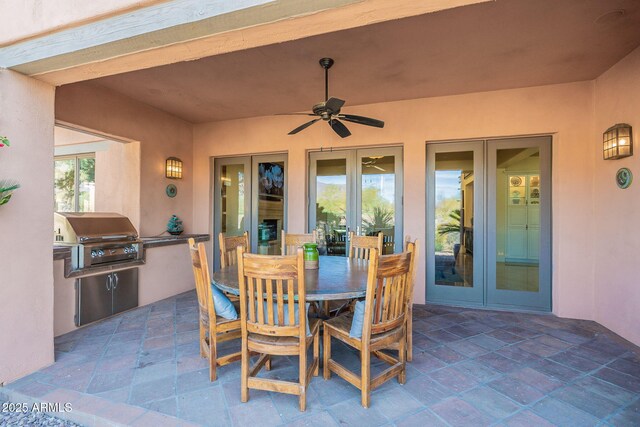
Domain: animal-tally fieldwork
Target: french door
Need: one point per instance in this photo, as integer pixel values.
(356, 190)
(249, 194)
(489, 223)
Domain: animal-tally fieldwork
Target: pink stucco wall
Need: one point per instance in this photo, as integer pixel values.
(26, 226)
(565, 111)
(160, 136)
(616, 231)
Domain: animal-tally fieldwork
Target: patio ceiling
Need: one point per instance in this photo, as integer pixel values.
(488, 46)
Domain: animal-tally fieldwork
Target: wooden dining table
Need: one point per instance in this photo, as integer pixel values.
(338, 278)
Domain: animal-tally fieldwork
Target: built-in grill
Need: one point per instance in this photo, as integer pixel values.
(97, 239)
(104, 251)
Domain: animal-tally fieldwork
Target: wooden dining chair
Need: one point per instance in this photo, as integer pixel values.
(383, 321)
(228, 247)
(360, 246)
(291, 242)
(213, 329)
(416, 255)
(274, 321)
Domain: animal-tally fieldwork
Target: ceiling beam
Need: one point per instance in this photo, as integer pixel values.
(184, 30)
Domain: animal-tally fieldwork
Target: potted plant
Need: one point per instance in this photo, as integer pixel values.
(7, 186)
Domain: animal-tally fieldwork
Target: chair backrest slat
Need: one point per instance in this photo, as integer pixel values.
(390, 279)
(360, 246)
(278, 281)
(291, 242)
(228, 246)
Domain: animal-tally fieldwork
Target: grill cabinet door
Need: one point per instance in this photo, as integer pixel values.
(93, 298)
(125, 290)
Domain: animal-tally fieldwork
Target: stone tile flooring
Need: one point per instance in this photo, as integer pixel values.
(470, 367)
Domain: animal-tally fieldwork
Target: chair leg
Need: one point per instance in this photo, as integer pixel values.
(326, 350)
(202, 340)
(267, 364)
(402, 358)
(410, 335)
(316, 353)
(213, 359)
(303, 377)
(365, 378)
(244, 372)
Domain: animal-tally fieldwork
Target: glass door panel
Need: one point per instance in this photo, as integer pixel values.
(232, 199)
(380, 196)
(455, 222)
(269, 187)
(518, 272)
(330, 193)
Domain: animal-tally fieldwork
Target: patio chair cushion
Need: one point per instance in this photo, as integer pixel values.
(224, 307)
(358, 320)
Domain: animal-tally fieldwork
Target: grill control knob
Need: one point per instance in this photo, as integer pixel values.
(100, 252)
(126, 249)
(93, 254)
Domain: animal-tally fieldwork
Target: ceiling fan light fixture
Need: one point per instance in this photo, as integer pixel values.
(329, 110)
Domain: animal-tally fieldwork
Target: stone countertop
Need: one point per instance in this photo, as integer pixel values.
(166, 240)
(62, 251)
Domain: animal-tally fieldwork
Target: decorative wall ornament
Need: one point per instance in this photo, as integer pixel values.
(171, 190)
(624, 177)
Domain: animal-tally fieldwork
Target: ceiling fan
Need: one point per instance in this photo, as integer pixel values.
(329, 110)
(372, 163)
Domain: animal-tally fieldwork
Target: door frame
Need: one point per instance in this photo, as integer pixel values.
(474, 296)
(255, 160)
(503, 298)
(354, 186)
(218, 162)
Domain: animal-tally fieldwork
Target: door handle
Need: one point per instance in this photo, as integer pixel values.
(109, 282)
(117, 279)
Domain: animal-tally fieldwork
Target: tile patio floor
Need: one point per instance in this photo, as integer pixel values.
(470, 367)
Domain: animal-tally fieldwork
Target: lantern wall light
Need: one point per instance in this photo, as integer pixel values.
(617, 142)
(173, 168)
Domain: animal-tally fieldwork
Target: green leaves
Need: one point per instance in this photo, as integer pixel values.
(4, 141)
(6, 190)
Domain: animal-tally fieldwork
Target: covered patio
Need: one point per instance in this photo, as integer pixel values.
(470, 367)
(496, 108)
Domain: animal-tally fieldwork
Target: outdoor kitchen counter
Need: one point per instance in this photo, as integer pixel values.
(165, 272)
(61, 252)
(156, 241)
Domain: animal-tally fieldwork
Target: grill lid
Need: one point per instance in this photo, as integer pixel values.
(84, 227)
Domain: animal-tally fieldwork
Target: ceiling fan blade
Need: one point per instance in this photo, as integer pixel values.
(339, 128)
(334, 104)
(304, 126)
(362, 120)
(295, 114)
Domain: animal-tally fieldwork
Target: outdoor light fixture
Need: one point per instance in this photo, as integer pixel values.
(617, 142)
(173, 168)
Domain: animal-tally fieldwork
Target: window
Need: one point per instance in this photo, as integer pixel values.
(74, 183)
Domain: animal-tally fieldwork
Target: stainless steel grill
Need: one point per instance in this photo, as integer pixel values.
(97, 238)
(104, 243)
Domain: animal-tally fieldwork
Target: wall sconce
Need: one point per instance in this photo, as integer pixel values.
(173, 168)
(617, 142)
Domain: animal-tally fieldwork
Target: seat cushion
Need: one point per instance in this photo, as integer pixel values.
(224, 307)
(358, 320)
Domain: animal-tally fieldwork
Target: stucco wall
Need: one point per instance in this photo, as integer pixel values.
(26, 226)
(616, 231)
(160, 135)
(565, 111)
